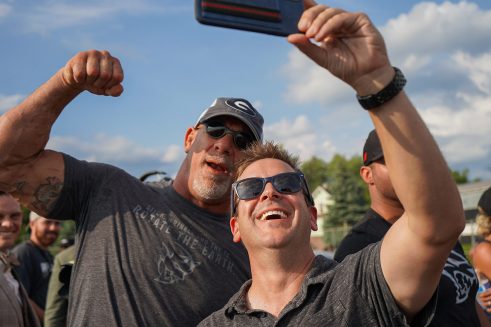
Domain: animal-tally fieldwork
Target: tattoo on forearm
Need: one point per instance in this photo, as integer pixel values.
(46, 194)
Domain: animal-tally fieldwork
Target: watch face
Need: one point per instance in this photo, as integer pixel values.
(391, 90)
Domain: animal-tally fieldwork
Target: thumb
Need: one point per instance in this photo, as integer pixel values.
(114, 91)
(311, 50)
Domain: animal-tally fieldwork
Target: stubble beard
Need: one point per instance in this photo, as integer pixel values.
(212, 188)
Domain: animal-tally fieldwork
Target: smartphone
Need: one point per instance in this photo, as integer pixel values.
(276, 17)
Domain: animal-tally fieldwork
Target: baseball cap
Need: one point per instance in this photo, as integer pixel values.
(34, 216)
(485, 202)
(372, 150)
(237, 108)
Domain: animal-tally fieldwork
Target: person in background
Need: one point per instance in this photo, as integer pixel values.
(36, 262)
(56, 311)
(481, 254)
(458, 284)
(15, 307)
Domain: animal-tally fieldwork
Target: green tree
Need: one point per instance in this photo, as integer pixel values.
(461, 177)
(315, 171)
(349, 192)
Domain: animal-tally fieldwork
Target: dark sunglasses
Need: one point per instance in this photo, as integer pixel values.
(217, 130)
(286, 183)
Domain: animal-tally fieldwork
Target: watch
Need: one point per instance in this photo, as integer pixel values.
(391, 90)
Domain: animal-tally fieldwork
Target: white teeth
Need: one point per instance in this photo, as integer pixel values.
(265, 215)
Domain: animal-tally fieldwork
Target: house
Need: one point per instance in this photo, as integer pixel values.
(322, 199)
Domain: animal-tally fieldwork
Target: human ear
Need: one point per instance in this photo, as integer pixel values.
(189, 138)
(234, 227)
(366, 174)
(313, 218)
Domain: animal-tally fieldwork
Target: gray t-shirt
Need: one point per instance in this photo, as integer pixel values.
(145, 255)
(353, 293)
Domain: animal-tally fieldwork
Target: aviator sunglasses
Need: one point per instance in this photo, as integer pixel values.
(217, 130)
(285, 183)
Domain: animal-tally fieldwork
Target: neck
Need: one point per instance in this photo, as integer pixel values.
(36, 242)
(389, 210)
(277, 276)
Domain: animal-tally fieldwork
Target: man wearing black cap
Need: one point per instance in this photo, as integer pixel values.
(458, 285)
(146, 256)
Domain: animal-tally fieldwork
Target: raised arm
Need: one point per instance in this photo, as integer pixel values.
(415, 249)
(29, 172)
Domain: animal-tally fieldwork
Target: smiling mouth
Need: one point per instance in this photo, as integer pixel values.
(217, 167)
(273, 214)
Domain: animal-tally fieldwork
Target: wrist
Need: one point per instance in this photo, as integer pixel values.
(374, 82)
(387, 93)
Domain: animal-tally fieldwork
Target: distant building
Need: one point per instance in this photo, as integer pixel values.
(322, 199)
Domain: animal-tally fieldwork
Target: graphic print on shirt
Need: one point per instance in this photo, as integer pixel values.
(182, 251)
(462, 275)
(174, 265)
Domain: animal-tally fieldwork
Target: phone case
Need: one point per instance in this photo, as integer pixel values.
(276, 17)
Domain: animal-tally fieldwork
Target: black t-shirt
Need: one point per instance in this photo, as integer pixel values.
(34, 271)
(458, 285)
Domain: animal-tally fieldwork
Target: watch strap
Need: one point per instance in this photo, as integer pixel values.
(387, 93)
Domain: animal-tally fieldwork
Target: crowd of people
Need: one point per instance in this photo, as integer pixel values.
(227, 242)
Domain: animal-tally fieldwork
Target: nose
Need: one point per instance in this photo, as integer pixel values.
(269, 192)
(54, 226)
(7, 223)
(225, 144)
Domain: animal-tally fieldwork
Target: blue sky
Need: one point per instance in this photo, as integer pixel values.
(175, 67)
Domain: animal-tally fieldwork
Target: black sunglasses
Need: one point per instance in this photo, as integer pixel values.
(286, 183)
(217, 130)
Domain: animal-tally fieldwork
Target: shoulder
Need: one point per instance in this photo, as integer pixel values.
(481, 251)
(23, 249)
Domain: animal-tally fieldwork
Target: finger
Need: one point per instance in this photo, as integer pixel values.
(321, 20)
(105, 70)
(114, 91)
(78, 65)
(343, 23)
(114, 87)
(309, 16)
(92, 68)
(313, 51)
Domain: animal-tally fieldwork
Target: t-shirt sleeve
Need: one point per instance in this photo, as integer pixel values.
(82, 181)
(373, 287)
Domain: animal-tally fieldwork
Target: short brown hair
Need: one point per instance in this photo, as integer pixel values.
(268, 150)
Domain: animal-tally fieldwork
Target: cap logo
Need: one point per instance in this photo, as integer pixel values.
(365, 156)
(241, 105)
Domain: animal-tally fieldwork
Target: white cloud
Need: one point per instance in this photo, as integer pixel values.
(430, 29)
(9, 101)
(115, 149)
(4, 10)
(53, 15)
(309, 83)
(299, 137)
(173, 154)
